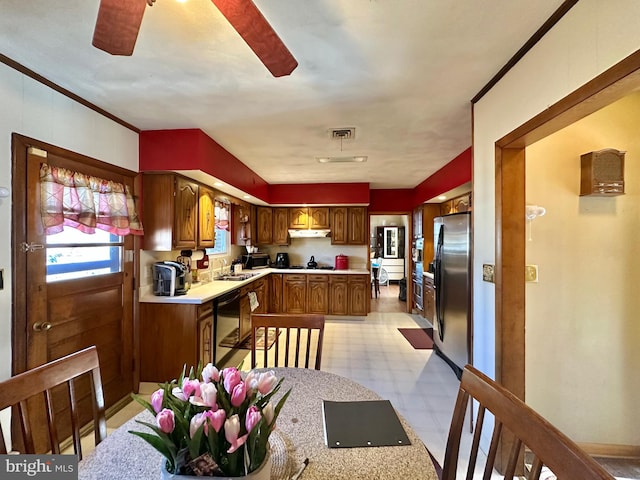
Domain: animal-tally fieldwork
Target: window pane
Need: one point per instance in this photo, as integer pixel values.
(222, 241)
(66, 260)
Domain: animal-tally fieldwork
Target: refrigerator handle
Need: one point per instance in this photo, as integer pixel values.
(437, 281)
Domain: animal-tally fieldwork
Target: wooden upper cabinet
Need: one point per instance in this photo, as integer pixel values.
(299, 218)
(170, 212)
(264, 235)
(417, 222)
(186, 214)
(280, 226)
(318, 217)
(338, 225)
(357, 226)
(206, 215)
(240, 224)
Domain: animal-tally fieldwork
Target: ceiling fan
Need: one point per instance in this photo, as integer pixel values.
(119, 21)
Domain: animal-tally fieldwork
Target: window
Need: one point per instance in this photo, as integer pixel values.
(222, 242)
(72, 254)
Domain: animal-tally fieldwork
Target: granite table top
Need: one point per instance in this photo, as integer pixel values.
(299, 434)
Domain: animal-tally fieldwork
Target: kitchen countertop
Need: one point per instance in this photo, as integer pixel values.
(202, 293)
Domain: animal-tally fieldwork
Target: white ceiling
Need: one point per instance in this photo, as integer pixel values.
(402, 72)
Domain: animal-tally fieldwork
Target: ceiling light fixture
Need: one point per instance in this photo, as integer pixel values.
(354, 159)
(442, 197)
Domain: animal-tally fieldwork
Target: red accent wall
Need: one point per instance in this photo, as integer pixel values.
(319, 194)
(192, 149)
(391, 200)
(452, 175)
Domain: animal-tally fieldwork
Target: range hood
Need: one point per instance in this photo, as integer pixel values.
(309, 233)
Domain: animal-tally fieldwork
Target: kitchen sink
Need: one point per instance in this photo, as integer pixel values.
(237, 278)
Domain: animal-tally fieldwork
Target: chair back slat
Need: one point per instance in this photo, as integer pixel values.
(33, 389)
(525, 431)
(297, 349)
(51, 419)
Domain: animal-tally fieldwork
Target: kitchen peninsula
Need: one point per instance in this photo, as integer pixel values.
(186, 328)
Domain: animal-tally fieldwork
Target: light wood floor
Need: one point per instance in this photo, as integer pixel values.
(388, 301)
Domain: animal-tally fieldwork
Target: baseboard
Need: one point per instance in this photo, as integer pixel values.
(611, 450)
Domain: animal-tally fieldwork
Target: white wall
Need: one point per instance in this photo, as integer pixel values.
(36, 111)
(582, 327)
(592, 37)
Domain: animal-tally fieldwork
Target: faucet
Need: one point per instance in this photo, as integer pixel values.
(222, 262)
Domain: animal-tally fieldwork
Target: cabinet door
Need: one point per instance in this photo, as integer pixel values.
(338, 225)
(338, 290)
(359, 293)
(318, 294)
(294, 293)
(318, 217)
(299, 218)
(264, 235)
(261, 289)
(275, 297)
(206, 218)
(240, 225)
(186, 214)
(357, 225)
(205, 333)
(245, 314)
(280, 226)
(429, 300)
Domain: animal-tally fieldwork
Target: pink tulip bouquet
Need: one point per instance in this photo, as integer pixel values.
(214, 423)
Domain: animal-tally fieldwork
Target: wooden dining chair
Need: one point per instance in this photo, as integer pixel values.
(303, 334)
(38, 384)
(534, 438)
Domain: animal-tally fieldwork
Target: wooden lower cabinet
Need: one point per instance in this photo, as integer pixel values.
(359, 293)
(275, 293)
(338, 294)
(317, 294)
(174, 335)
(294, 293)
(429, 299)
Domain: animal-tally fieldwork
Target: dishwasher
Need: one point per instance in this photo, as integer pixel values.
(226, 325)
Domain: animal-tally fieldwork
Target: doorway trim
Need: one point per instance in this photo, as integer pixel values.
(510, 161)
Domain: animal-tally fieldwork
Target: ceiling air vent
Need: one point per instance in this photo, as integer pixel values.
(342, 133)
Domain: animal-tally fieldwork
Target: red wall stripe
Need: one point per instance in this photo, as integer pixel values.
(452, 175)
(192, 149)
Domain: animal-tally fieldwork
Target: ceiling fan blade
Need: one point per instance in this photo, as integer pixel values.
(117, 25)
(245, 17)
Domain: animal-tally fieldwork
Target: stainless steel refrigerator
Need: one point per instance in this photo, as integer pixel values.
(452, 280)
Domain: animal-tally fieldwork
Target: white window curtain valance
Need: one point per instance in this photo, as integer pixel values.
(84, 202)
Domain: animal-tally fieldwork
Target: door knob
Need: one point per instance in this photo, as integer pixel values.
(42, 326)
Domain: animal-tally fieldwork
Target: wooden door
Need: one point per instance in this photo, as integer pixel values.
(58, 316)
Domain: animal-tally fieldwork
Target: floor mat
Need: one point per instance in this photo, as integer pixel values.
(231, 340)
(419, 338)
